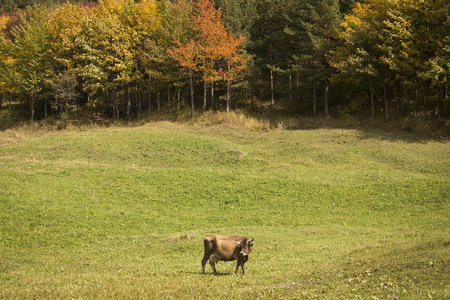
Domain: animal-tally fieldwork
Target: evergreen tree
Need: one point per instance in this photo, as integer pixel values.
(321, 20)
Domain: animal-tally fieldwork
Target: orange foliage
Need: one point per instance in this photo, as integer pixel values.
(213, 51)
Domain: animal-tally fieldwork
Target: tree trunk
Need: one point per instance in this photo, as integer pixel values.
(403, 99)
(116, 106)
(297, 84)
(139, 106)
(228, 95)
(149, 102)
(425, 101)
(105, 97)
(272, 97)
(65, 115)
(445, 102)
(386, 101)
(92, 107)
(212, 96)
(414, 103)
(290, 87)
(327, 89)
(168, 98)
(408, 107)
(396, 99)
(191, 84)
(205, 87)
(45, 108)
(10, 109)
(178, 98)
(437, 109)
(138, 102)
(232, 99)
(157, 100)
(128, 103)
(372, 103)
(33, 100)
(314, 98)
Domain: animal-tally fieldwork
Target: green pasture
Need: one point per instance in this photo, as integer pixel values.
(121, 212)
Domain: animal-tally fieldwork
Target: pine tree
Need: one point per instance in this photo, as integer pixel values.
(320, 25)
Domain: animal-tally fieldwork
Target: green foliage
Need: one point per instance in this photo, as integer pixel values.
(29, 52)
(25, 59)
(64, 87)
(121, 212)
(399, 42)
(239, 15)
(10, 6)
(244, 51)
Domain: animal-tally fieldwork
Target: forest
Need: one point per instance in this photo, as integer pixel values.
(125, 59)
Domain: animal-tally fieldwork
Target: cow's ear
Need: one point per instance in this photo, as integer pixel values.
(238, 243)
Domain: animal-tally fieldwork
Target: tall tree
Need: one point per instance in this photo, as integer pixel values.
(28, 53)
(65, 92)
(211, 51)
(106, 51)
(360, 55)
(5, 60)
(321, 20)
(187, 56)
(393, 41)
(220, 53)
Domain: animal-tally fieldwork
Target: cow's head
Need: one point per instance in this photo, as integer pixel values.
(245, 247)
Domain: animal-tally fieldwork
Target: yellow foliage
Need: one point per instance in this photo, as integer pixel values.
(112, 7)
(3, 21)
(64, 25)
(146, 16)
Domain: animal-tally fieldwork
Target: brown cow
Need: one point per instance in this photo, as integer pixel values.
(226, 248)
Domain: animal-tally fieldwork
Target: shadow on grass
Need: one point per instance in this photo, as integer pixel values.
(401, 128)
(209, 273)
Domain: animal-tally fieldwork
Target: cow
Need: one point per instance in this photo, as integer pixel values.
(226, 248)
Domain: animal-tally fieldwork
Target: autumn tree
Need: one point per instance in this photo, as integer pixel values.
(141, 20)
(221, 53)
(187, 55)
(27, 54)
(212, 52)
(105, 52)
(5, 61)
(393, 42)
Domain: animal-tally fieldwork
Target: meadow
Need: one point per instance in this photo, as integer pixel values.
(121, 212)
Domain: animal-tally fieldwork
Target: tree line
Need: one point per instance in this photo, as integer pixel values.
(122, 58)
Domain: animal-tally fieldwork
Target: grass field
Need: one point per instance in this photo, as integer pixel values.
(121, 212)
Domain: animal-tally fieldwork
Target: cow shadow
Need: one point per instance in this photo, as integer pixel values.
(208, 273)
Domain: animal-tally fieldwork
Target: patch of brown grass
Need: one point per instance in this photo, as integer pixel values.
(236, 118)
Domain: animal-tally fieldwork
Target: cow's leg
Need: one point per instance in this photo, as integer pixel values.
(213, 266)
(237, 266)
(242, 266)
(205, 260)
(212, 261)
(208, 252)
